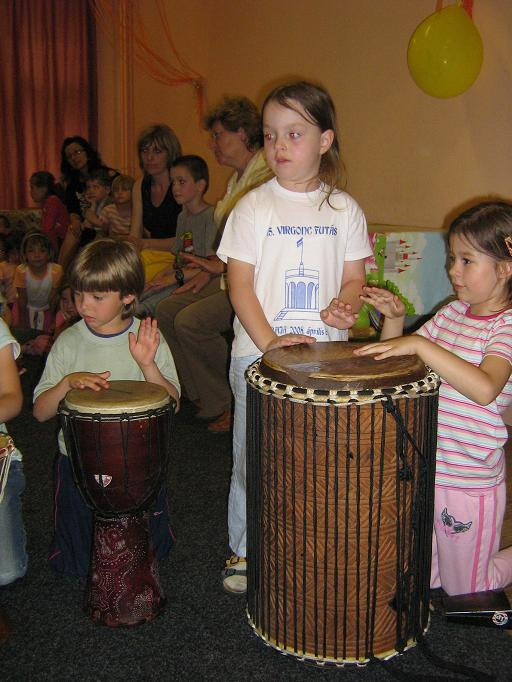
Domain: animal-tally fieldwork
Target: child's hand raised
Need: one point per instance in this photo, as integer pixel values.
(88, 380)
(338, 314)
(387, 303)
(143, 347)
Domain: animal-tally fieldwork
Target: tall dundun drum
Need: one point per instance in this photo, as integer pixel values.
(340, 480)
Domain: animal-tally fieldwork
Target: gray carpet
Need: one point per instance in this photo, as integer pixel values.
(204, 633)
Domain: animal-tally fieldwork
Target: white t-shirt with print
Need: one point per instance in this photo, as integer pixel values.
(298, 246)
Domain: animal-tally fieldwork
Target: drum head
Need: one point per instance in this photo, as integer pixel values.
(121, 397)
(333, 366)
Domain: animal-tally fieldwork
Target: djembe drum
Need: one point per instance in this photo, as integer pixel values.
(340, 480)
(118, 441)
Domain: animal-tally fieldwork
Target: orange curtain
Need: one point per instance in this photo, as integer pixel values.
(168, 72)
(47, 88)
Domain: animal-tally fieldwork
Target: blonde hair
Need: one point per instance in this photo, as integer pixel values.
(108, 265)
(122, 182)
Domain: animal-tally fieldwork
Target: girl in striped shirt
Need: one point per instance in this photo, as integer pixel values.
(469, 344)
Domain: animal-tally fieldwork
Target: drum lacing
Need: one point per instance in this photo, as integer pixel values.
(302, 394)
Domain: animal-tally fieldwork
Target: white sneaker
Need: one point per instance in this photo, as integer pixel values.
(234, 575)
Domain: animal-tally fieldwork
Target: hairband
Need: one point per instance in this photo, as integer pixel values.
(508, 244)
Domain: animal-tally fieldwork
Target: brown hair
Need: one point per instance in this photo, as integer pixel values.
(109, 265)
(164, 138)
(488, 228)
(234, 113)
(321, 112)
(39, 238)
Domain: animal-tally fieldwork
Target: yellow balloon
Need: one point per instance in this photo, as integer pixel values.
(445, 53)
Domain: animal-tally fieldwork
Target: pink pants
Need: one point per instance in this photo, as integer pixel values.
(466, 539)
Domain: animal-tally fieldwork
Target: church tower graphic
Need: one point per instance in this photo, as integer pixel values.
(301, 289)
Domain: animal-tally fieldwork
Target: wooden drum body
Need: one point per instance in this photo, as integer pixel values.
(340, 481)
(118, 442)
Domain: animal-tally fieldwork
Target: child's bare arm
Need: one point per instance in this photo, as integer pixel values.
(480, 384)
(389, 305)
(10, 390)
(342, 311)
(143, 348)
(46, 404)
(22, 307)
(249, 311)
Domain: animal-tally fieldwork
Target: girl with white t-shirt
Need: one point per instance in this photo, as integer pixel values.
(295, 249)
(36, 280)
(469, 344)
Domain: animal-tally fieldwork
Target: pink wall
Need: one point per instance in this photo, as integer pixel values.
(411, 158)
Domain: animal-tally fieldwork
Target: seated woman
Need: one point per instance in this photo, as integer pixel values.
(78, 161)
(196, 317)
(154, 209)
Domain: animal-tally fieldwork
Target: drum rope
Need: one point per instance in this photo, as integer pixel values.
(467, 672)
(358, 525)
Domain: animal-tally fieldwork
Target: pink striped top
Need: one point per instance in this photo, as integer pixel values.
(470, 437)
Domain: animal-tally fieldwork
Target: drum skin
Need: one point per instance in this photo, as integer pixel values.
(340, 471)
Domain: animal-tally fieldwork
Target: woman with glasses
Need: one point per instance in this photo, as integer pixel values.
(78, 160)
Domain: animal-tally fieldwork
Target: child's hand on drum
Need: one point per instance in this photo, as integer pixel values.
(338, 314)
(88, 380)
(288, 340)
(387, 303)
(402, 345)
(143, 347)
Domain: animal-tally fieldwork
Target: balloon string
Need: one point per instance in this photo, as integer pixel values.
(466, 4)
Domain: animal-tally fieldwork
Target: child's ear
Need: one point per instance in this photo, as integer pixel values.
(128, 299)
(201, 185)
(505, 269)
(326, 140)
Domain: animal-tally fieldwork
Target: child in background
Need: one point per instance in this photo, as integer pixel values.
(329, 235)
(7, 288)
(55, 220)
(469, 344)
(108, 343)
(36, 280)
(66, 314)
(189, 181)
(8, 267)
(97, 192)
(5, 226)
(13, 555)
(116, 218)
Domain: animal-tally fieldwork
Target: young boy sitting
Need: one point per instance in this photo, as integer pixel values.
(115, 218)
(108, 343)
(189, 179)
(97, 191)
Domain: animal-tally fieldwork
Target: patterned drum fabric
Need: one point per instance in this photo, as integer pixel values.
(118, 441)
(340, 478)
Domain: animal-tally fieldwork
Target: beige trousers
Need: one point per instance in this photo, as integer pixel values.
(195, 327)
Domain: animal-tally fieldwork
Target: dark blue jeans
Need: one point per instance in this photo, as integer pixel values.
(70, 551)
(13, 554)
